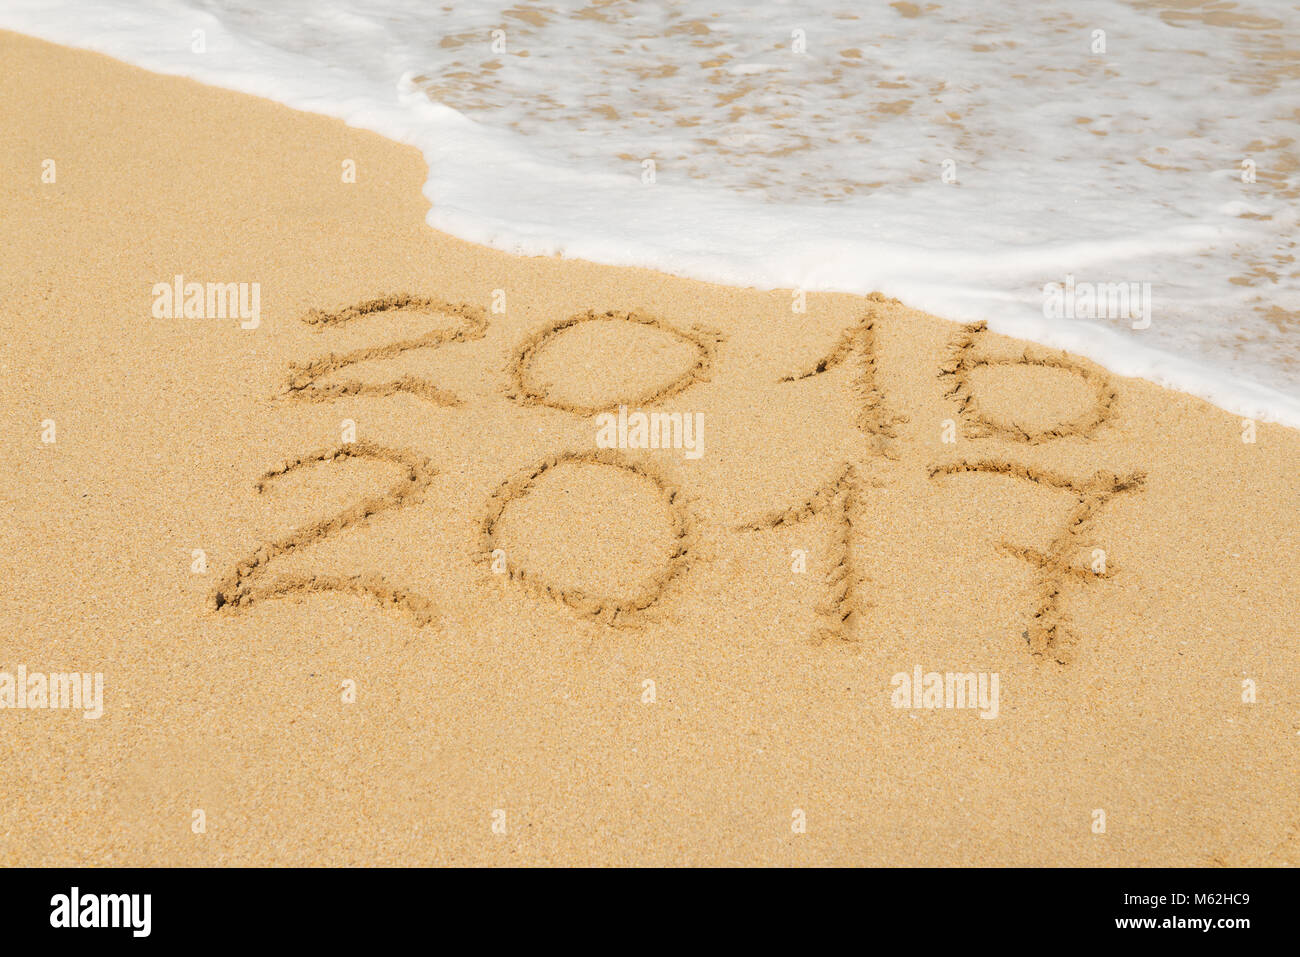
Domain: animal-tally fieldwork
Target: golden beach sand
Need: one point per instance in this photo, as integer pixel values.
(642, 674)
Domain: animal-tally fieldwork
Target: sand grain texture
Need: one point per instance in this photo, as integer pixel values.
(523, 691)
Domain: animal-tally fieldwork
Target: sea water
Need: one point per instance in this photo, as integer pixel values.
(968, 158)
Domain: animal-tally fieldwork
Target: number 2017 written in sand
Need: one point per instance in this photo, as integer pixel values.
(842, 499)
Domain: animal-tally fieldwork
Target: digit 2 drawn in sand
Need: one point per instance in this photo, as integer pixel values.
(608, 609)
(304, 378)
(245, 587)
(843, 605)
(1048, 634)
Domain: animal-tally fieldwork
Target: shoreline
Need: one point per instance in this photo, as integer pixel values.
(840, 252)
(409, 404)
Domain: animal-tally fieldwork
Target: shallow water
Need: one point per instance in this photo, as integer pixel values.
(959, 156)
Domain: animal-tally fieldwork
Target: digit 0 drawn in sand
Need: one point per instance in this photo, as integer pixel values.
(980, 424)
(873, 417)
(703, 341)
(242, 588)
(1048, 633)
(607, 609)
(843, 605)
(304, 378)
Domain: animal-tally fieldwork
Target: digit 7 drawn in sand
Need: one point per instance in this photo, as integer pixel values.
(840, 498)
(1047, 633)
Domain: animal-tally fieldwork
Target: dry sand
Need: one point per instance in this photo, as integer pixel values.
(525, 692)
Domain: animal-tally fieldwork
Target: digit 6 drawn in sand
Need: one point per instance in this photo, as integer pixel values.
(241, 589)
(981, 424)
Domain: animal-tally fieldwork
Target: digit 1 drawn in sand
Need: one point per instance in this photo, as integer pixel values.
(1048, 633)
(304, 378)
(704, 341)
(874, 417)
(842, 606)
(607, 609)
(241, 589)
(963, 362)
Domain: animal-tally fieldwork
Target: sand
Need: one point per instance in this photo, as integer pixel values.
(471, 636)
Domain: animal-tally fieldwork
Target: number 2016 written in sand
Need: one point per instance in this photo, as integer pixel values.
(843, 498)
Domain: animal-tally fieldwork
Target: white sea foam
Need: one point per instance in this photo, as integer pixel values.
(824, 169)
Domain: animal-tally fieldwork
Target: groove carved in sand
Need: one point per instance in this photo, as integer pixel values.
(843, 605)
(304, 378)
(704, 341)
(245, 586)
(1048, 633)
(979, 424)
(840, 498)
(873, 416)
(607, 609)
